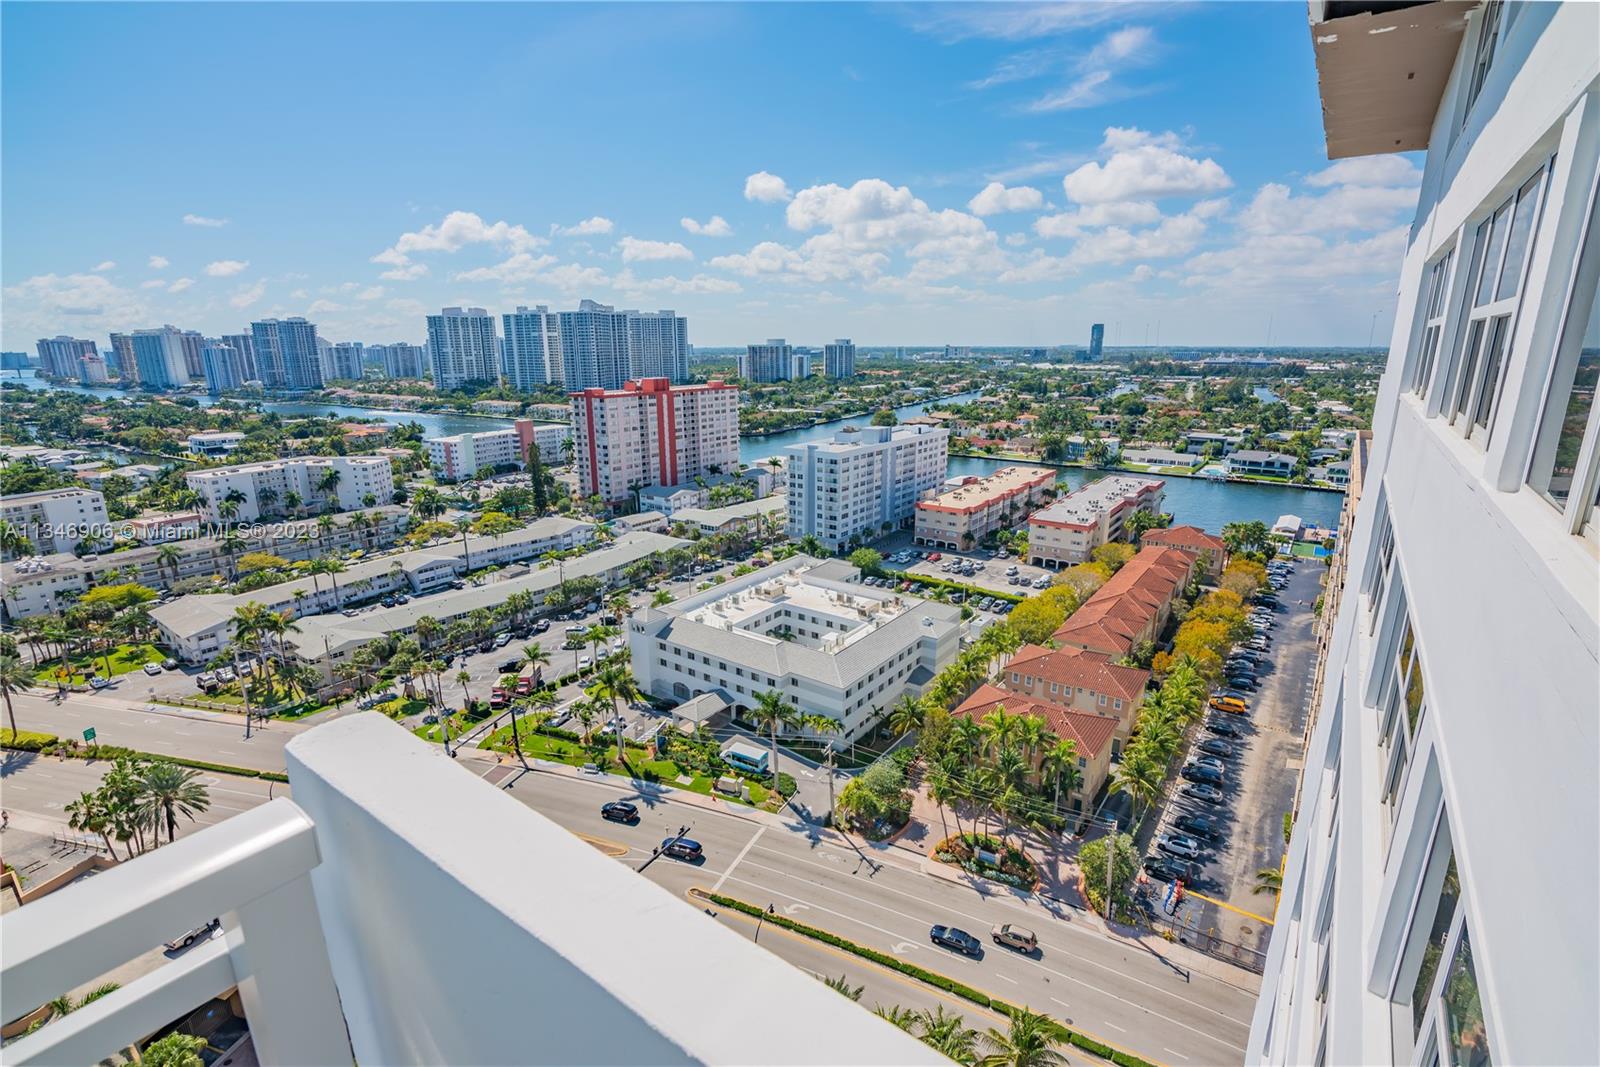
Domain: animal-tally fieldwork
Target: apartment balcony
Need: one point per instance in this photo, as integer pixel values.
(400, 910)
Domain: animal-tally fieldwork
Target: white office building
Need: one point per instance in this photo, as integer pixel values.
(863, 481)
(320, 483)
(806, 629)
(531, 355)
(57, 520)
(463, 347)
(839, 358)
(1437, 903)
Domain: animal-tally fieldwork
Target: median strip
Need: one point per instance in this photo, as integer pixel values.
(933, 978)
(51, 745)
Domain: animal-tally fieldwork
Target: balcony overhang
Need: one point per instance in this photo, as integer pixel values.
(1381, 70)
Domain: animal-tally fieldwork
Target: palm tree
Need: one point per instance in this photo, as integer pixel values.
(332, 568)
(1140, 777)
(596, 636)
(464, 679)
(168, 557)
(809, 545)
(1269, 880)
(948, 1033)
(1060, 762)
(904, 1018)
(464, 524)
(1030, 1041)
(615, 683)
(14, 678)
(842, 986)
(537, 655)
(772, 711)
(167, 791)
(908, 714)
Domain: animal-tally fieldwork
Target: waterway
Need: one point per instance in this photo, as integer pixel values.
(1192, 501)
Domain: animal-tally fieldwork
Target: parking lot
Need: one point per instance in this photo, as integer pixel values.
(1260, 775)
(991, 570)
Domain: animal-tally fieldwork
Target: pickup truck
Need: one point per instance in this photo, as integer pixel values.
(499, 698)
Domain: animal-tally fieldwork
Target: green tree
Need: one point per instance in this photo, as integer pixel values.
(166, 791)
(14, 678)
(772, 711)
(616, 684)
(175, 1050)
(1092, 861)
(1031, 1040)
(867, 560)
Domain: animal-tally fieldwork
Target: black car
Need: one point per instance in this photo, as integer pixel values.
(681, 848)
(958, 940)
(1198, 825)
(1204, 792)
(487, 646)
(619, 811)
(1222, 726)
(1167, 869)
(1216, 746)
(1238, 681)
(509, 665)
(1194, 772)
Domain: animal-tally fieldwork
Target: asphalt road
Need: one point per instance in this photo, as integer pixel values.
(1123, 995)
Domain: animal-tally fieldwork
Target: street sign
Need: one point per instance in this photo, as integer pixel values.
(88, 734)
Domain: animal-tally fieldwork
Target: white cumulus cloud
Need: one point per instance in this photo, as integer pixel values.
(159, 263)
(202, 220)
(454, 232)
(408, 273)
(1368, 170)
(226, 268)
(1276, 209)
(180, 285)
(996, 198)
(522, 267)
(243, 298)
(716, 226)
(1143, 167)
(106, 264)
(47, 304)
(589, 227)
(635, 250)
(766, 188)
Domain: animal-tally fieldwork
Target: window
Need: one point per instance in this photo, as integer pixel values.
(1433, 317)
(1560, 462)
(1483, 56)
(1499, 261)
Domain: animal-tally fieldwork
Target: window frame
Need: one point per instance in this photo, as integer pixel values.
(1469, 399)
(1435, 313)
(1581, 509)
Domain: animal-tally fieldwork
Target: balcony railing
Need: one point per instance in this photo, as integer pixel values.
(401, 910)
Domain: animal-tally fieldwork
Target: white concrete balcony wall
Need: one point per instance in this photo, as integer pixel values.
(465, 928)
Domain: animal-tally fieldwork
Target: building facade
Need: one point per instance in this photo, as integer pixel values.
(1067, 531)
(224, 368)
(158, 355)
(1425, 916)
(345, 361)
(863, 481)
(59, 356)
(658, 345)
(773, 361)
(244, 347)
(806, 629)
(401, 360)
(462, 347)
(57, 520)
(963, 515)
(319, 483)
(286, 354)
(839, 358)
(463, 455)
(594, 347)
(652, 432)
(531, 355)
(1097, 340)
(120, 357)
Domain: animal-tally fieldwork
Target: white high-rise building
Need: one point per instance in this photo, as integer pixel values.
(345, 360)
(400, 360)
(652, 432)
(773, 361)
(863, 480)
(288, 353)
(158, 354)
(463, 347)
(594, 347)
(223, 368)
(58, 356)
(531, 356)
(57, 520)
(244, 344)
(1437, 899)
(658, 345)
(839, 358)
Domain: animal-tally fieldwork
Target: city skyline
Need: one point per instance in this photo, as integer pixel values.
(1083, 164)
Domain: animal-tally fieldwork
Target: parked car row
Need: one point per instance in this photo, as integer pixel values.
(1006, 935)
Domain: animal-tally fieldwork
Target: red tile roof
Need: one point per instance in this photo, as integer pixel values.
(1185, 537)
(1112, 619)
(1082, 668)
(1091, 733)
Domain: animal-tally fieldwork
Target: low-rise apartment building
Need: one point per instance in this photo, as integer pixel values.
(863, 481)
(651, 432)
(1211, 550)
(962, 516)
(1133, 607)
(199, 628)
(1093, 735)
(1252, 461)
(704, 491)
(768, 511)
(463, 455)
(806, 629)
(1082, 680)
(57, 520)
(215, 442)
(45, 584)
(1067, 531)
(319, 483)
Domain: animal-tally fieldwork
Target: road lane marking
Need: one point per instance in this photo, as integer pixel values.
(1059, 974)
(1114, 1026)
(1008, 978)
(748, 845)
(1064, 1004)
(1175, 1052)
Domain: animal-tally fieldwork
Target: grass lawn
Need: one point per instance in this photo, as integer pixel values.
(124, 658)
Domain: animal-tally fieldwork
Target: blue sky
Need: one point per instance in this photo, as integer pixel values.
(900, 174)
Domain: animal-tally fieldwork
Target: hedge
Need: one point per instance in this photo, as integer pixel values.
(51, 745)
(933, 978)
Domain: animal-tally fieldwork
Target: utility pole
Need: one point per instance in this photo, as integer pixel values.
(829, 764)
(761, 919)
(1111, 855)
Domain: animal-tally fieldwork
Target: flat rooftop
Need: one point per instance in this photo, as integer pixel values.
(1005, 482)
(752, 610)
(1085, 506)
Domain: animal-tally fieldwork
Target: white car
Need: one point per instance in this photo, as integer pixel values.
(152, 669)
